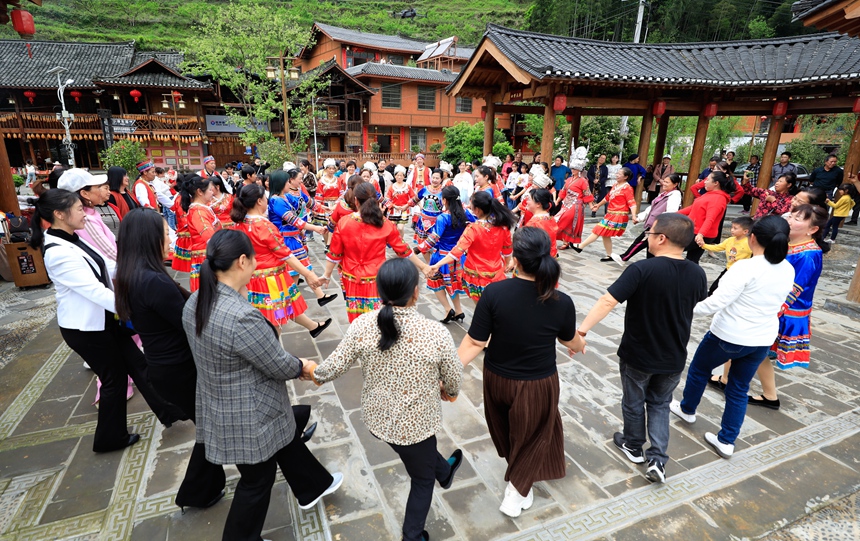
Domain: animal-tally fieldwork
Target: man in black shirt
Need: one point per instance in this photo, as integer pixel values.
(661, 293)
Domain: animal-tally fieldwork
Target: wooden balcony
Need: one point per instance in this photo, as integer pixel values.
(46, 125)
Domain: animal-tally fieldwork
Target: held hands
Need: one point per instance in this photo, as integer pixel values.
(700, 240)
(307, 369)
(314, 281)
(445, 396)
(578, 345)
(430, 270)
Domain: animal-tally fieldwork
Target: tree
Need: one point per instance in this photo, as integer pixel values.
(125, 154)
(302, 97)
(465, 141)
(806, 152)
(759, 29)
(721, 131)
(232, 46)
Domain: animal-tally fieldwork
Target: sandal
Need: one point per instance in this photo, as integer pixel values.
(717, 383)
(760, 400)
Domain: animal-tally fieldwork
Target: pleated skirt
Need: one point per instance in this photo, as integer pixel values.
(525, 425)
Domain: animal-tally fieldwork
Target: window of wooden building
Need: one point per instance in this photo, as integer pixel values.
(463, 105)
(391, 95)
(426, 98)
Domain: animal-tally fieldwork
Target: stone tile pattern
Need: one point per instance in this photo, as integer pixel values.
(47, 424)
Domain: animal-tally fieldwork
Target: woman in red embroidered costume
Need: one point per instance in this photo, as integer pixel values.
(539, 205)
(399, 197)
(271, 290)
(537, 179)
(200, 221)
(485, 181)
(620, 203)
(571, 217)
(358, 248)
(222, 201)
(329, 190)
(486, 243)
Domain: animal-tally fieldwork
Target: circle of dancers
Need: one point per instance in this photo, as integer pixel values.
(213, 354)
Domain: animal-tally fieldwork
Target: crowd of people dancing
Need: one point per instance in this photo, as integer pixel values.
(214, 354)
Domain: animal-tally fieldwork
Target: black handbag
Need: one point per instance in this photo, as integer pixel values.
(19, 228)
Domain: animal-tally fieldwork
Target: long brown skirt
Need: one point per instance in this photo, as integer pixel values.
(525, 425)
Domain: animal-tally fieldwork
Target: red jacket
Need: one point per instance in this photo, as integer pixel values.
(736, 197)
(707, 211)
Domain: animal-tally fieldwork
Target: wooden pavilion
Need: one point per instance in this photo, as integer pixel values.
(578, 77)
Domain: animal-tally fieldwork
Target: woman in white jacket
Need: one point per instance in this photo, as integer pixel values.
(85, 314)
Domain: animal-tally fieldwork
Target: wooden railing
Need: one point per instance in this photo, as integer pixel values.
(402, 158)
(47, 122)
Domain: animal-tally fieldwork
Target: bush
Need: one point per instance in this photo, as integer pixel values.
(436, 147)
(416, 148)
(274, 152)
(465, 141)
(806, 153)
(125, 154)
(18, 180)
(374, 147)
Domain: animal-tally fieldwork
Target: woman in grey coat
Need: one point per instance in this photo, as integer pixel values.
(244, 415)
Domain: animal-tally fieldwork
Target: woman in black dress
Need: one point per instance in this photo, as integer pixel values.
(148, 297)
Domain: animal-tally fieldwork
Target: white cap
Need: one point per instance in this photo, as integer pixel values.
(399, 169)
(370, 166)
(667, 156)
(289, 165)
(77, 179)
(329, 163)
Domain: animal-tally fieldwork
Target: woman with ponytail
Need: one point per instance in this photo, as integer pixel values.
(442, 238)
(86, 315)
(404, 358)
(198, 224)
(485, 243)
(271, 290)
(539, 205)
(521, 387)
(358, 250)
(222, 200)
(745, 307)
(288, 208)
(346, 204)
(244, 416)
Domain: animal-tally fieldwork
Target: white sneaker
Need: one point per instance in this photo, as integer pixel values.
(675, 407)
(617, 259)
(335, 484)
(87, 366)
(514, 503)
(725, 450)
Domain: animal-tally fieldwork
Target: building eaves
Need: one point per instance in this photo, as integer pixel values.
(402, 72)
(371, 40)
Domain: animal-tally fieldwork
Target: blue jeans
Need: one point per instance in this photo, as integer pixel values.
(170, 216)
(652, 393)
(711, 353)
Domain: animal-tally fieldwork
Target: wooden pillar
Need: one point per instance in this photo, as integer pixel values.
(548, 134)
(852, 166)
(644, 145)
(575, 124)
(660, 143)
(696, 157)
(8, 195)
(489, 124)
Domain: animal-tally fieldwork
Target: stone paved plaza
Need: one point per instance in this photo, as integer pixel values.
(795, 473)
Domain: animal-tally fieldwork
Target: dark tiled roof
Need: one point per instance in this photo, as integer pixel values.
(325, 68)
(377, 41)
(752, 63)
(23, 66)
(88, 63)
(401, 72)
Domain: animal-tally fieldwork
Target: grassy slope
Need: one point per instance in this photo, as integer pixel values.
(166, 24)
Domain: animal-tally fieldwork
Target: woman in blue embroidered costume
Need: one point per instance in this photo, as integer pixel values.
(429, 201)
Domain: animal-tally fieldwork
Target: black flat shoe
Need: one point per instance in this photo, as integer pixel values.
(457, 455)
(320, 328)
(206, 505)
(760, 400)
(460, 317)
(130, 440)
(301, 281)
(605, 259)
(326, 299)
(576, 249)
(717, 383)
(309, 433)
(449, 317)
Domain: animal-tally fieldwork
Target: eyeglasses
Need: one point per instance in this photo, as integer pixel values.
(653, 233)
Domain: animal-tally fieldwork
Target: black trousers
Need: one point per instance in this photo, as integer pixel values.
(203, 480)
(716, 283)
(639, 244)
(425, 466)
(304, 473)
(114, 356)
(694, 252)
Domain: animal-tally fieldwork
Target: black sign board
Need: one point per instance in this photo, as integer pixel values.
(105, 117)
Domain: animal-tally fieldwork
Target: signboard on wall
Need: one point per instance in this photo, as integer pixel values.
(224, 124)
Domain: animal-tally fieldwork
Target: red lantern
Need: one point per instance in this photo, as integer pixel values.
(176, 96)
(77, 95)
(135, 94)
(710, 110)
(483, 114)
(856, 108)
(559, 102)
(659, 108)
(30, 95)
(569, 118)
(22, 22)
(780, 108)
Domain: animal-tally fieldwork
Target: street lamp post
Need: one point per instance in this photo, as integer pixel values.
(64, 117)
(294, 75)
(175, 98)
(314, 120)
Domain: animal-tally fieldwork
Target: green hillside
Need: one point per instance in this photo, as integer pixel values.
(166, 24)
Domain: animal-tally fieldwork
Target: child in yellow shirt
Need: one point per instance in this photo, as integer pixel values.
(736, 247)
(841, 209)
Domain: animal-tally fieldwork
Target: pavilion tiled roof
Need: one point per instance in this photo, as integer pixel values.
(25, 64)
(751, 63)
(402, 72)
(330, 67)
